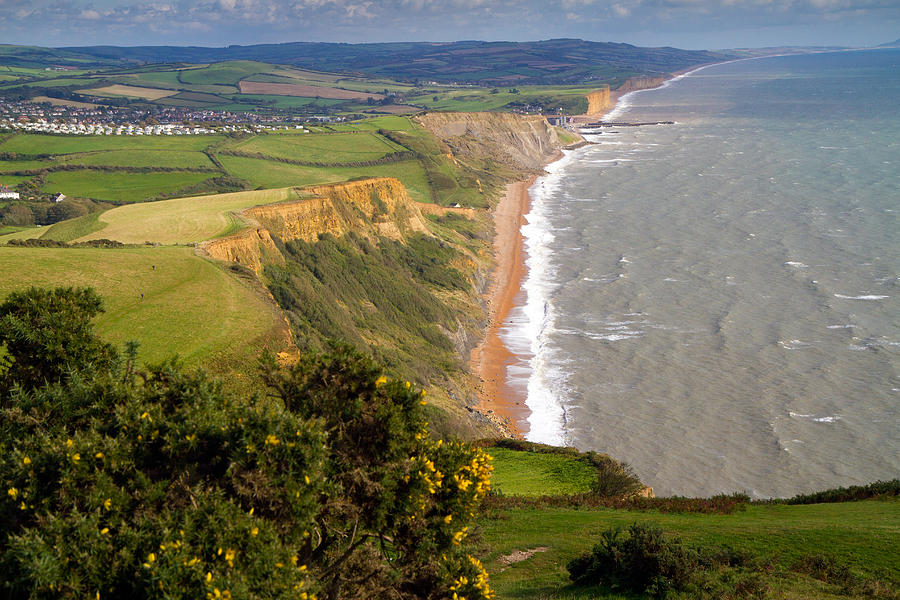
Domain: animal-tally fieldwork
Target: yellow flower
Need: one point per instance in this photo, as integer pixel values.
(254, 532)
(146, 415)
(448, 518)
(306, 479)
(380, 381)
(107, 504)
(69, 442)
(104, 531)
(26, 461)
(99, 455)
(208, 577)
(151, 557)
(76, 457)
(271, 440)
(13, 492)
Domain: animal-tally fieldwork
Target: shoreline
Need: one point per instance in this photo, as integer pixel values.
(489, 361)
(500, 402)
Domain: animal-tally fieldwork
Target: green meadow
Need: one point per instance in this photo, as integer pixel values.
(181, 220)
(29, 143)
(269, 174)
(190, 306)
(862, 536)
(536, 474)
(119, 186)
(142, 158)
(321, 148)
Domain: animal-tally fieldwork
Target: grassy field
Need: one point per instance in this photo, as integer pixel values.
(72, 229)
(182, 220)
(228, 73)
(864, 536)
(22, 165)
(28, 143)
(142, 158)
(534, 474)
(273, 175)
(190, 305)
(119, 187)
(334, 148)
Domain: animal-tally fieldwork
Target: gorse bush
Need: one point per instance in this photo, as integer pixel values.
(161, 483)
(643, 561)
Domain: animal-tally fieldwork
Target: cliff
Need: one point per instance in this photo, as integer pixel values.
(599, 101)
(369, 207)
(634, 84)
(520, 142)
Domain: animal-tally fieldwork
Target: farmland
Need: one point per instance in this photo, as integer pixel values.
(189, 305)
(182, 220)
(119, 187)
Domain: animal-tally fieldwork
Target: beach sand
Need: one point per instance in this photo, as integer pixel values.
(491, 358)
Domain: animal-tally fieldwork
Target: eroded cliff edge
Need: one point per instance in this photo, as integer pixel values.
(361, 262)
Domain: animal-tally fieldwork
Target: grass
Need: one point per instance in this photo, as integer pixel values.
(13, 180)
(535, 474)
(346, 147)
(119, 187)
(190, 306)
(72, 229)
(863, 535)
(7, 166)
(227, 73)
(143, 158)
(27, 143)
(182, 220)
(270, 174)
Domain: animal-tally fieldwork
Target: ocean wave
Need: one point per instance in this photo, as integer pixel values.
(862, 297)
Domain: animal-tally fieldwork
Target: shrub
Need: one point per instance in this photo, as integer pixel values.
(643, 562)
(48, 333)
(160, 483)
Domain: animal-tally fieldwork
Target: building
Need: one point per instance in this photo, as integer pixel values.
(8, 194)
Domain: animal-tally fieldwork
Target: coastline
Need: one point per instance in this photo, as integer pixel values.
(499, 401)
(490, 360)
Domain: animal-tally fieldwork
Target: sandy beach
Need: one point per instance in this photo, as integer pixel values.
(491, 358)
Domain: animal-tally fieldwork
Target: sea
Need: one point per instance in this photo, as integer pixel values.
(716, 302)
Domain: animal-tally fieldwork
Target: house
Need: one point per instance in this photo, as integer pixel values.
(59, 197)
(8, 194)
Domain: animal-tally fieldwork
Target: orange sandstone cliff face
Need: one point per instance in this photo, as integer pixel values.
(599, 101)
(377, 206)
(640, 83)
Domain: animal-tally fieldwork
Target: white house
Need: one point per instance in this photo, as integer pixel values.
(8, 194)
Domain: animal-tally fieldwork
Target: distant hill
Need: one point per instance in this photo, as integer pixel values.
(894, 44)
(560, 61)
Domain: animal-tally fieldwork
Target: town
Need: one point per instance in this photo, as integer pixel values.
(45, 118)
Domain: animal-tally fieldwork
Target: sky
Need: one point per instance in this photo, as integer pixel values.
(690, 24)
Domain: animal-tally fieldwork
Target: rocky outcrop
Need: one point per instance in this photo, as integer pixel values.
(599, 101)
(370, 207)
(634, 84)
(522, 142)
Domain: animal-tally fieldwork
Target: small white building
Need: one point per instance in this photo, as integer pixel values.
(8, 194)
(59, 197)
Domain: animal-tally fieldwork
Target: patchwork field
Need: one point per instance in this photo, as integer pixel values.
(270, 174)
(189, 304)
(130, 91)
(173, 159)
(119, 187)
(28, 143)
(322, 148)
(182, 220)
(306, 91)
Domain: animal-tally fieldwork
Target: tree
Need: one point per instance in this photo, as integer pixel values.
(48, 334)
